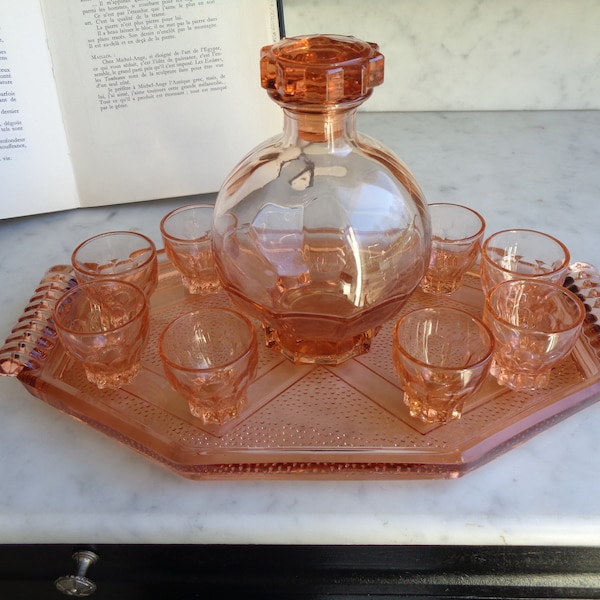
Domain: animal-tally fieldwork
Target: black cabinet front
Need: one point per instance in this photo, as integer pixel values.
(173, 572)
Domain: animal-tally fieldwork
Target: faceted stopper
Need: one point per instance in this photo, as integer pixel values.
(321, 69)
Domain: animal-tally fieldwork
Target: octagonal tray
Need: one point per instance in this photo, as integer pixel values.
(301, 421)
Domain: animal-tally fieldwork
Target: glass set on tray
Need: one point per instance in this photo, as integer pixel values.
(320, 249)
(442, 355)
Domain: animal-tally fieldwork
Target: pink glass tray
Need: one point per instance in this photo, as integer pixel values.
(302, 421)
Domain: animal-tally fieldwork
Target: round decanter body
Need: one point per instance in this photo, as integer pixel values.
(321, 233)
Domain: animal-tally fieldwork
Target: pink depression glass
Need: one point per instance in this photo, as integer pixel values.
(187, 237)
(321, 233)
(522, 254)
(210, 357)
(124, 255)
(456, 233)
(442, 357)
(535, 325)
(104, 325)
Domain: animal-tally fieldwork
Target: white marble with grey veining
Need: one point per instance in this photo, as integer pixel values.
(63, 482)
(470, 54)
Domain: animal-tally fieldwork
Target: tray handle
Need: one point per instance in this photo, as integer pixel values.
(584, 280)
(33, 336)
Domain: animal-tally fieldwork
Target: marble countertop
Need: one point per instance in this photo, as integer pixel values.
(64, 482)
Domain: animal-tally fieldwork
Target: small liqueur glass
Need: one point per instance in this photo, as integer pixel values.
(124, 255)
(456, 233)
(187, 237)
(441, 357)
(104, 325)
(210, 357)
(522, 254)
(535, 325)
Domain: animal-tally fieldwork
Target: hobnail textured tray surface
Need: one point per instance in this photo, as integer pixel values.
(302, 421)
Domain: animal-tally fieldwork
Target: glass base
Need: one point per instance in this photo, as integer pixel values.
(431, 286)
(516, 380)
(432, 411)
(112, 381)
(218, 413)
(323, 352)
(201, 286)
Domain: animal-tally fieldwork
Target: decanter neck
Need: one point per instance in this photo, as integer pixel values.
(329, 126)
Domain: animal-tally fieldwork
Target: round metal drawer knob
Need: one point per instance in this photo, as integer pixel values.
(78, 585)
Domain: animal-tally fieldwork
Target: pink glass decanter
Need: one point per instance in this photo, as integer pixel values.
(321, 232)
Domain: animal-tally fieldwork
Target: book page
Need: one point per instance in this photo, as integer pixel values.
(161, 98)
(35, 169)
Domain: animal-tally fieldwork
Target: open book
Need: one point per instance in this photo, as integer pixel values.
(112, 101)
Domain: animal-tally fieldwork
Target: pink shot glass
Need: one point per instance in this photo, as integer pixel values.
(210, 357)
(441, 357)
(104, 326)
(522, 254)
(123, 255)
(456, 233)
(187, 238)
(535, 324)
